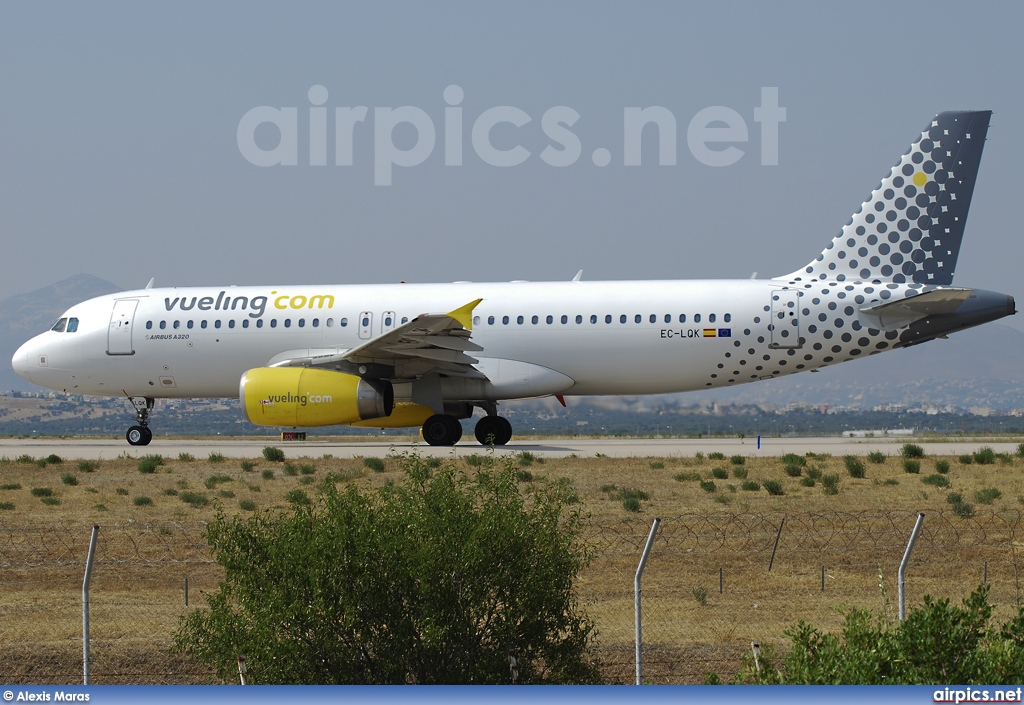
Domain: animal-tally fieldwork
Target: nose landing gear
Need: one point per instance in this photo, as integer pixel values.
(140, 435)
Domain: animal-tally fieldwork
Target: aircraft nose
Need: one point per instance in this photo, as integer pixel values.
(24, 360)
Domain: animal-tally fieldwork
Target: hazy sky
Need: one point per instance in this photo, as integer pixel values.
(120, 144)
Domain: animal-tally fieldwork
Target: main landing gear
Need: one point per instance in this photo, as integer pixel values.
(140, 435)
(444, 430)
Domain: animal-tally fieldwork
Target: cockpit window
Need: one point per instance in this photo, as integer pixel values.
(72, 325)
(59, 325)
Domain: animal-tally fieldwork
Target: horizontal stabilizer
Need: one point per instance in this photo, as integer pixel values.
(893, 315)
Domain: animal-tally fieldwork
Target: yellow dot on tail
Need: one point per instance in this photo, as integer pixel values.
(920, 179)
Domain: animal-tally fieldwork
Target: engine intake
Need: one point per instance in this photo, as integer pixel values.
(303, 396)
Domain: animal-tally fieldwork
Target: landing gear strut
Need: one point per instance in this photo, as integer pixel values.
(493, 430)
(140, 435)
(442, 430)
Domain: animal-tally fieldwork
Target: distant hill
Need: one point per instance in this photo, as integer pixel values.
(25, 315)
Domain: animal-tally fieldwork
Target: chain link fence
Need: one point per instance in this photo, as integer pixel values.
(707, 589)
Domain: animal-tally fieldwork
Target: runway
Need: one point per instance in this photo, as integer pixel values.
(106, 448)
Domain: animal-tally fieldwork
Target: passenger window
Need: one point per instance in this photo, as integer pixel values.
(189, 324)
(203, 324)
(302, 323)
(245, 323)
(504, 320)
(149, 325)
(231, 323)
(387, 321)
(476, 320)
(608, 319)
(316, 322)
(72, 325)
(343, 322)
(728, 317)
(565, 319)
(579, 319)
(330, 322)
(177, 324)
(287, 323)
(593, 319)
(405, 319)
(519, 320)
(654, 318)
(622, 318)
(534, 320)
(216, 324)
(711, 318)
(637, 318)
(490, 320)
(668, 318)
(682, 318)
(273, 323)
(163, 325)
(59, 325)
(550, 320)
(696, 318)
(259, 322)
(365, 323)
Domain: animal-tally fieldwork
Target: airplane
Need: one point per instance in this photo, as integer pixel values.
(406, 355)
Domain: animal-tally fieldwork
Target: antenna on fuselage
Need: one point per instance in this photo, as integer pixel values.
(579, 276)
(152, 280)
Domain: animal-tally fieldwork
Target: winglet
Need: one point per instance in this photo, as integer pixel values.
(464, 314)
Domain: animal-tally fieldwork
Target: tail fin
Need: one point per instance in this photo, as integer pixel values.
(911, 227)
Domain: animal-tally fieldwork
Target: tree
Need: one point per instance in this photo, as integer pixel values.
(939, 643)
(434, 580)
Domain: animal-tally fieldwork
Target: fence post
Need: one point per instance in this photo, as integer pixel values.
(903, 566)
(636, 598)
(243, 673)
(85, 603)
(776, 546)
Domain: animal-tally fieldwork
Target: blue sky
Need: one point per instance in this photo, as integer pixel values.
(119, 152)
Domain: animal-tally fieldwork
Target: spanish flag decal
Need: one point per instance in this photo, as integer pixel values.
(710, 332)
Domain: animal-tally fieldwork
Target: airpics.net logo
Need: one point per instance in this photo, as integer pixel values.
(715, 136)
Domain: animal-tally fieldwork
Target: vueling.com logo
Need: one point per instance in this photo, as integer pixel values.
(300, 399)
(255, 305)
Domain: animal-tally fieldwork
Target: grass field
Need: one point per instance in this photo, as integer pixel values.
(707, 590)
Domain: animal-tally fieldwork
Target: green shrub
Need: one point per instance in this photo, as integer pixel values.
(910, 450)
(985, 456)
(51, 501)
(42, 492)
(290, 470)
(226, 494)
(214, 480)
(216, 458)
(171, 492)
(526, 458)
(890, 482)
(87, 465)
(700, 594)
(936, 480)
(10, 486)
(987, 495)
(716, 456)
(69, 479)
(738, 460)
(247, 505)
(25, 459)
(814, 473)
(472, 460)
(52, 459)
(194, 499)
(297, 497)
(794, 459)
(6, 505)
(248, 466)
(750, 486)
(877, 457)
(307, 469)
(808, 481)
(142, 501)
(274, 455)
(433, 463)
(853, 466)
(375, 464)
(707, 485)
(739, 473)
(186, 457)
(911, 466)
(657, 465)
(306, 480)
(942, 466)
(149, 463)
(1020, 450)
(720, 474)
(524, 476)
(686, 476)
(774, 487)
(121, 491)
(830, 483)
(966, 459)
(267, 474)
(631, 504)
(794, 470)
(963, 509)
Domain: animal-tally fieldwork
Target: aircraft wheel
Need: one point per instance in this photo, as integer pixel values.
(493, 430)
(442, 430)
(506, 431)
(138, 436)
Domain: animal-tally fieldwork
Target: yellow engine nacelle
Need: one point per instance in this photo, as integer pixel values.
(303, 396)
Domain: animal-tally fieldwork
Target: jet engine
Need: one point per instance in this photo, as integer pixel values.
(303, 396)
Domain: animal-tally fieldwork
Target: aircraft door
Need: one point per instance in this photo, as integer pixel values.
(119, 335)
(785, 325)
(387, 321)
(366, 325)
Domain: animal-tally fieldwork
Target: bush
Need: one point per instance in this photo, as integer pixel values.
(402, 618)
(267, 474)
(274, 455)
(171, 492)
(686, 476)
(473, 460)
(911, 450)
(936, 480)
(121, 492)
(6, 505)
(814, 473)
(720, 474)
(737, 460)
(526, 458)
(774, 487)
(750, 486)
(707, 485)
(25, 459)
(739, 473)
(216, 458)
(194, 499)
(911, 466)
(985, 456)
(853, 466)
(52, 459)
(716, 456)
(297, 497)
(521, 475)
(830, 484)
(877, 457)
(290, 470)
(808, 481)
(186, 457)
(433, 463)
(307, 469)
(375, 464)
(631, 504)
(142, 501)
(942, 466)
(69, 479)
(794, 459)
(248, 466)
(51, 501)
(630, 498)
(794, 470)
(226, 494)
(987, 495)
(149, 463)
(42, 492)
(966, 459)
(657, 465)
(87, 465)
(214, 480)
(247, 505)
(1020, 450)
(10, 486)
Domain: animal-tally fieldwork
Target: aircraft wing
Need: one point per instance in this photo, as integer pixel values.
(893, 315)
(431, 342)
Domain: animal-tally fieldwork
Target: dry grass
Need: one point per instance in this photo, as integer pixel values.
(146, 553)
